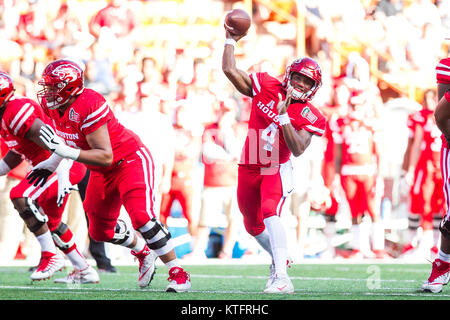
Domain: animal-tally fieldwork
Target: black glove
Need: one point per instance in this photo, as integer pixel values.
(39, 177)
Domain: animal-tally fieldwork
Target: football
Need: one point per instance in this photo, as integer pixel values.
(237, 22)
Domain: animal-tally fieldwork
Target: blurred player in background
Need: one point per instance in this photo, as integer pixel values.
(440, 271)
(357, 162)
(187, 153)
(121, 167)
(41, 207)
(423, 174)
(220, 155)
(282, 122)
(336, 108)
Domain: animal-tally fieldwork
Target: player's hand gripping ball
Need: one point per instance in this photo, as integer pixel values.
(237, 22)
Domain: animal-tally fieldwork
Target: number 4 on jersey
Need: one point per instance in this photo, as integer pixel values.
(268, 135)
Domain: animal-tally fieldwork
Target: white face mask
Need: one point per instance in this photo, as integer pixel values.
(297, 94)
(52, 105)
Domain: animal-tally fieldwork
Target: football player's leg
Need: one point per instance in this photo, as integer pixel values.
(438, 207)
(61, 234)
(102, 205)
(167, 200)
(249, 200)
(415, 214)
(105, 226)
(272, 201)
(249, 203)
(158, 239)
(427, 240)
(350, 187)
(138, 199)
(186, 198)
(373, 207)
(231, 210)
(440, 271)
(97, 249)
(36, 221)
(83, 271)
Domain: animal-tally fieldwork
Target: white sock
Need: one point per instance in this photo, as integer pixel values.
(77, 260)
(329, 231)
(174, 263)
(278, 241)
(412, 237)
(140, 244)
(356, 232)
(413, 225)
(46, 242)
(427, 241)
(436, 237)
(378, 235)
(264, 241)
(444, 256)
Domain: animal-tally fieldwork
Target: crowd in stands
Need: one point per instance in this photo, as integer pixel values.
(159, 65)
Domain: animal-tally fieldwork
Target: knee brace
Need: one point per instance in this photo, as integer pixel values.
(122, 234)
(157, 236)
(32, 210)
(63, 237)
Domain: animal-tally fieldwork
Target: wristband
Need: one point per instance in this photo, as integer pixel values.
(51, 163)
(4, 168)
(64, 166)
(284, 119)
(231, 42)
(68, 152)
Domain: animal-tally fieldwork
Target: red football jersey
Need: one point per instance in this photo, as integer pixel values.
(265, 144)
(218, 172)
(414, 119)
(431, 145)
(431, 141)
(18, 118)
(87, 113)
(443, 76)
(358, 146)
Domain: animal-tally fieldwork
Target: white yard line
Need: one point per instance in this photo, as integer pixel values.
(298, 292)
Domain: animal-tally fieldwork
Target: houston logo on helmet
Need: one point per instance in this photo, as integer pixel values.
(67, 72)
(3, 83)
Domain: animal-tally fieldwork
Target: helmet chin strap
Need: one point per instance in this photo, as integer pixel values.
(53, 105)
(297, 94)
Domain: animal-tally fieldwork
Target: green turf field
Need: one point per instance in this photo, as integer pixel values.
(236, 282)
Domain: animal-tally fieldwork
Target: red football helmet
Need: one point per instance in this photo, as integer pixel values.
(309, 68)
(61, 80)
(6, 88)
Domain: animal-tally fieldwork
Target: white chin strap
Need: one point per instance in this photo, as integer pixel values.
(52, 105)
(297, 94)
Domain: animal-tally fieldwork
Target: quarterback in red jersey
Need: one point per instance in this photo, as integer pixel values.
(282, 122)
(41, 207)
(440, 272)
(122, 170)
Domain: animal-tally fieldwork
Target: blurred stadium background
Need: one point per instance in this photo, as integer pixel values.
(159, 65)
